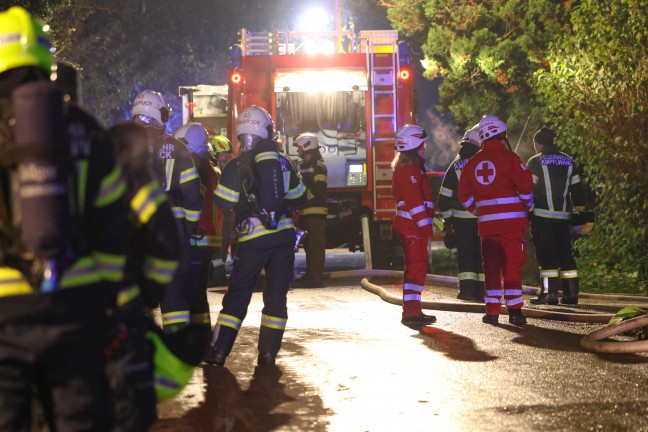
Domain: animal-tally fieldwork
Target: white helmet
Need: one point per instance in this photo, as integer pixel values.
(410, 137)
(489, 126)
(150, 110)
(307, 141)
(194, 136)
(472, 136)
(254, 121)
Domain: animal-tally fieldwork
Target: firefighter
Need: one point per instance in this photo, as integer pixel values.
(262, 186)
(558, 193)
(312, 217)
(462, 224)
(175, 171)
(414, 219)
(62, 249)
(496, 186)
(207, 239)
(221, 150)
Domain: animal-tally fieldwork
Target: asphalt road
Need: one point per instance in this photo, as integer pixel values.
(347, 364)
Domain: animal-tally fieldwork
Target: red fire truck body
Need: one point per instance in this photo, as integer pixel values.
(354, 98)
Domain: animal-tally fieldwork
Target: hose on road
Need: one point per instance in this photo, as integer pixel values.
(592, 342)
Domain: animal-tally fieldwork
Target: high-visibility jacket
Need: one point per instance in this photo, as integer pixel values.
(414, 205)
(449, 204)
(557, 185)
(497, 186)
(153, 253)
(99, 247)
(315, 177)
(239, 189)
(178, 176)
(208, 234)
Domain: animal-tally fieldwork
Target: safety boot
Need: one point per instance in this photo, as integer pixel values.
(418, 320)
(265, 359)
(549, 297)
(490, 319)
(216, 356)
(516, 317)
(570, 291)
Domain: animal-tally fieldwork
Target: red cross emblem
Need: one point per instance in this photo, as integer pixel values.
(485, 172)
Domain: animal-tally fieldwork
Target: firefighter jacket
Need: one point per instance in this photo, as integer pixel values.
(153, 253)
(497, 186)
(557, 187)
(256, 184)
(175, 170)
(414, 205)
(314, 175)
(208, 234)
(98, 247)
(448, 203)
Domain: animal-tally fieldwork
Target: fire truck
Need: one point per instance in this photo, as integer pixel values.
(354, 91)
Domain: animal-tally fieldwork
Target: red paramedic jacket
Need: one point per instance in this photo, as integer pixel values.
(496, 186)
(414, 205)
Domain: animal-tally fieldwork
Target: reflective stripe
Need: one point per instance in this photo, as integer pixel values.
(146, 201)
(501, 216)
(512, 292)
(464, 214)
(548, 273)
(446, 214)
(424, 222)
(170, 163)
(187, 175)
(492, 300)
(535, 179)
(257, 229)
(467, 276)
(218, 262)
(551, 214)
(226, 193)
(526, 197)
(111, 266)
(569, 274)
(403, 214)
(412, 297)
(446, 192)
(111, 189)
(494, 293)
(428, 204)
(314, 210)
(321, 178)
(481, 277)
(575, 179)
(176, 317)
(264, 156)
(468, 202)
(412, 287)
(192, 215)
(126, 295)
(228, 321)
(514, 302)
(83, 272)
(159, 270)
(416, 210)
(276, 323)
(296, 192)
(497, 201)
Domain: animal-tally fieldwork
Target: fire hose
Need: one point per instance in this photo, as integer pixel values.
(593, 342)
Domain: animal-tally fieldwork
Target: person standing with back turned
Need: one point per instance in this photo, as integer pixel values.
(262, 186)
(414, 219)
(497, 186)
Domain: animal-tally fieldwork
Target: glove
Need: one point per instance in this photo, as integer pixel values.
(583, 229)
(582, 222)
(449, 238)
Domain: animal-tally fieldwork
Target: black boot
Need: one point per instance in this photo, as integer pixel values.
(551, 296)
(570, 291)
(516, 317)
(216, 356)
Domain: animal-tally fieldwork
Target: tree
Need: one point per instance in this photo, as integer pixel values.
(486, 52)
(596, 95)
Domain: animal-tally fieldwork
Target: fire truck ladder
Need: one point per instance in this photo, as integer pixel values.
(383, 85)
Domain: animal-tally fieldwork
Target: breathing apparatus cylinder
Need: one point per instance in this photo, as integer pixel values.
(40, 176)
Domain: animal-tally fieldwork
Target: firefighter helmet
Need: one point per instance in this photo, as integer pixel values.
(221, 144)
(255, 121)
(195, 136)
(490, 126)
(472, 136)
(23, 41)
(306, 141)
(410, 137)
(150, 110)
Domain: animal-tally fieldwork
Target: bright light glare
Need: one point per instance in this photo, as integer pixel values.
(326, 47)
(315, 19)
(321, 80)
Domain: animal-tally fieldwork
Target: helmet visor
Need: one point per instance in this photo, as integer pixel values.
(147, 121)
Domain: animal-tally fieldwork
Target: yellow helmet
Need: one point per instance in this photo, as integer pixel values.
(23, 41)
(221, 144)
